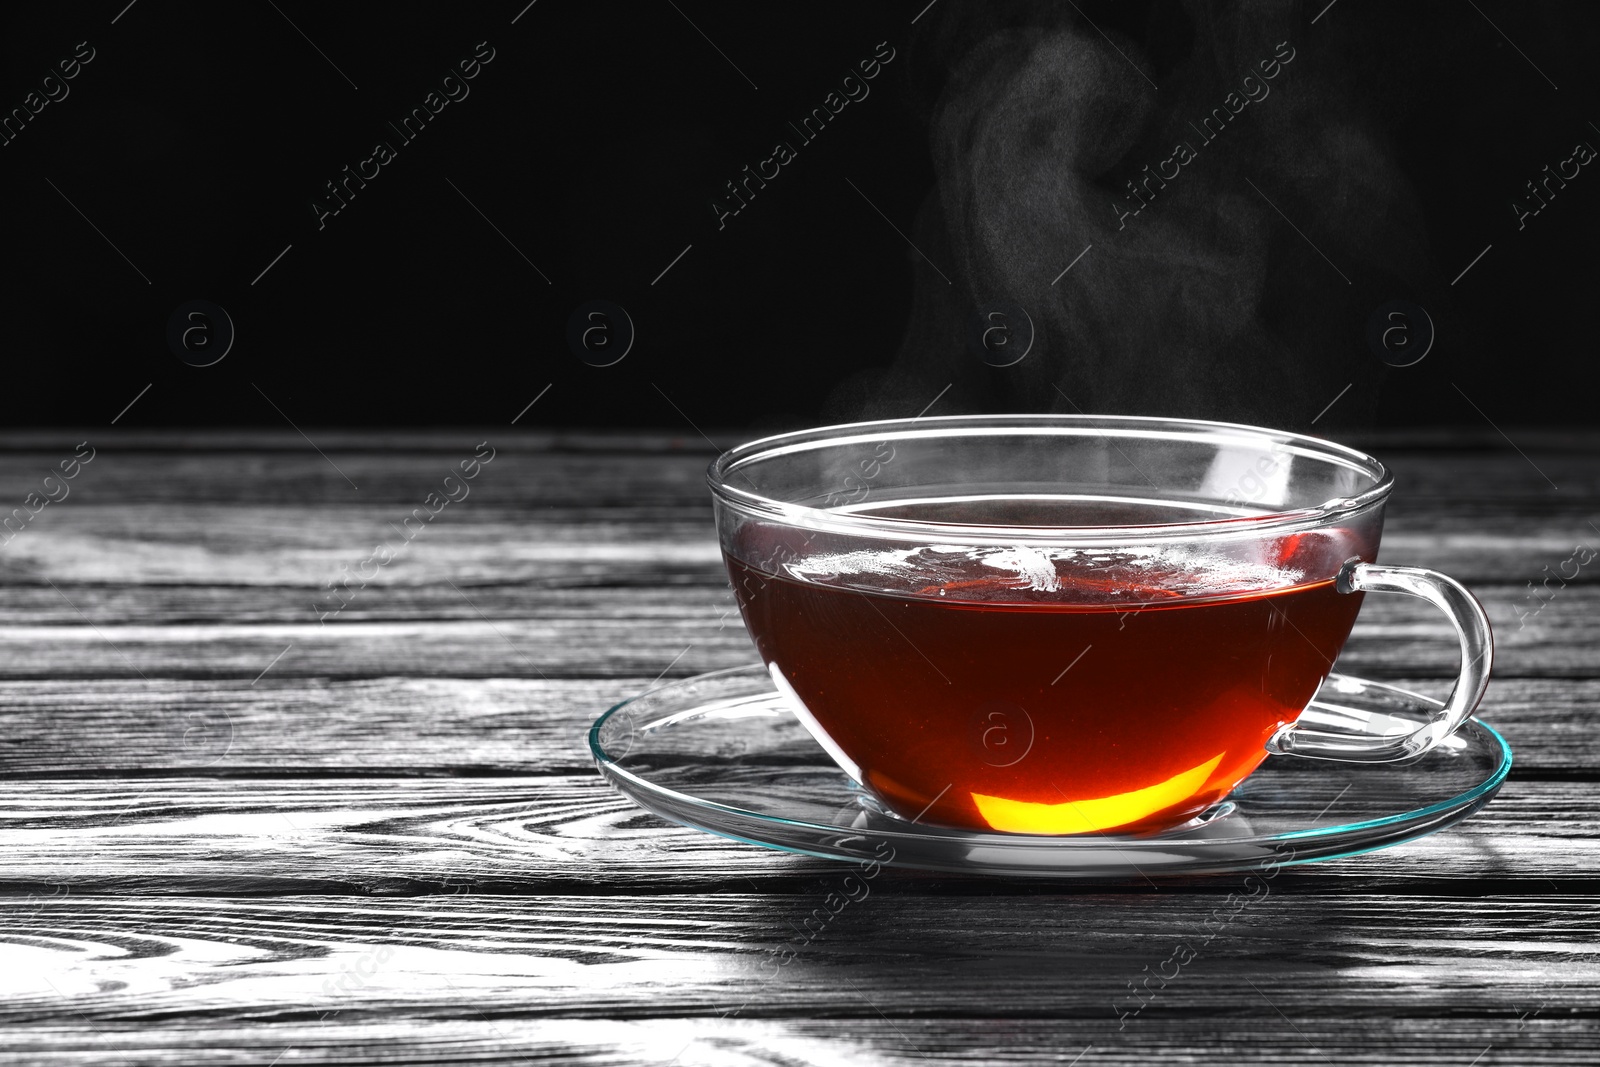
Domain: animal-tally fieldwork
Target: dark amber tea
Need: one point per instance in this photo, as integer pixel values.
(1046, 690)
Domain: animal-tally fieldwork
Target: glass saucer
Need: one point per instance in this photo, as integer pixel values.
(721, 752)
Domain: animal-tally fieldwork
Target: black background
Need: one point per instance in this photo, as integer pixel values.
(594, 142)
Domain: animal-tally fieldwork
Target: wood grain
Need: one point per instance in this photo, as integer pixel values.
(628, 631)
(908, 955)
(1251, 1034)
(382, 835)
(531, 473)
(303, 546)
(397, 726)
(905, 978)
(208, 845)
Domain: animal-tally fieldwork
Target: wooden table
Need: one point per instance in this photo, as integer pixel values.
(238, 828)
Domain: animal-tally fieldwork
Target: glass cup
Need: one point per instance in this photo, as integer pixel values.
(1067, 623)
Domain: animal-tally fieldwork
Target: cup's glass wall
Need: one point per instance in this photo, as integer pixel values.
(1057, 624)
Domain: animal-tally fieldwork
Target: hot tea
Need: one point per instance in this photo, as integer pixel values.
(1039, 689)
(1069, 624)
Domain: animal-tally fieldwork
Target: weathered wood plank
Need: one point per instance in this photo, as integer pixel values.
(398, 726)
(588, 640)
(290, 726)
(526, 437)
(626, 475)
(507, 971)
(194, 835)
(1251, 1033)
(605, 631)
(185, 555)
(187, 551)
(399, 479)
(529, 436)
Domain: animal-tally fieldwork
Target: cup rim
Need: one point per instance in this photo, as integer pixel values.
(832, 520)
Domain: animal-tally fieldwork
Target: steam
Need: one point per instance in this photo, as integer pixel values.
(1208, 303)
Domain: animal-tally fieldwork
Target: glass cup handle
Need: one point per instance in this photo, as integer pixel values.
(1477, 657)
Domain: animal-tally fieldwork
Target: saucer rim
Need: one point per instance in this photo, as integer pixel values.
(1469, 801)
